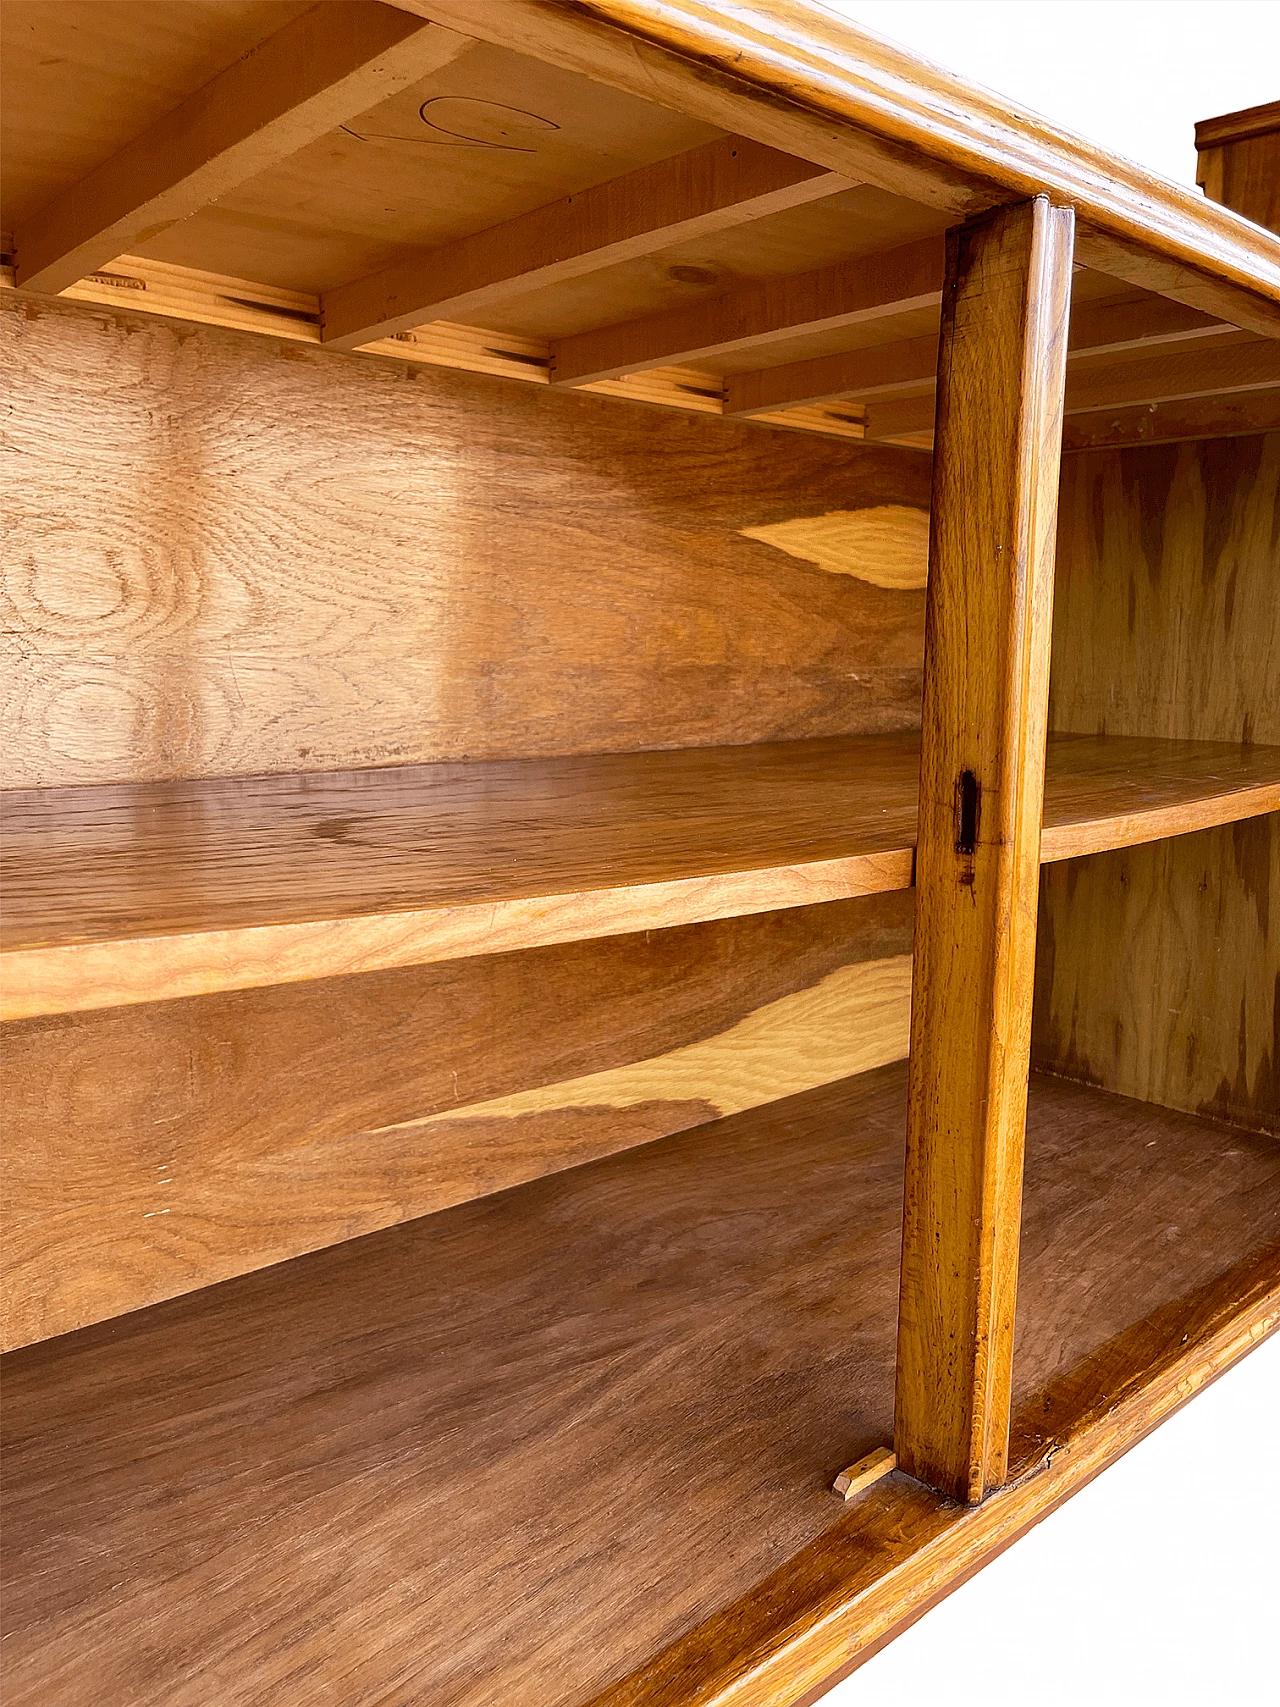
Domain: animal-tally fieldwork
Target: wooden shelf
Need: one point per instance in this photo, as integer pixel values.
(535, 1440)
(161, 890)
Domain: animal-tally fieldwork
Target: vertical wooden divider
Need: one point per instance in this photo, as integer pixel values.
(1001, 371)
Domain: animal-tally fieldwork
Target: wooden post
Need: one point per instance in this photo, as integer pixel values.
(1001, 371)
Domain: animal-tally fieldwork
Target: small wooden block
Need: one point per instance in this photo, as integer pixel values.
(867, 1470)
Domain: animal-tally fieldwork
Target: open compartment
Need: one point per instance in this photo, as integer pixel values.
(539, 1439)
(461, 858)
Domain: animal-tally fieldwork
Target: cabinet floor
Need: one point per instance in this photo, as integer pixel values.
(512, 1451)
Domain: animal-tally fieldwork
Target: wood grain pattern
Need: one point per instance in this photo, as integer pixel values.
(1167, 621)
(1236, 416)
(1001, 371)
(643, 1348)
(318, 71)
(819, 1617)
(154, 1149)
(801, 79)
(908, 368)
(713, 188)
(1237, 161)
(81, 80)
(164, 890)
(850, 293)
(1197, 918)
(273, 558)
(887, 545)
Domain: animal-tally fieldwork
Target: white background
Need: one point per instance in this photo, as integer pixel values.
(1159, 1583)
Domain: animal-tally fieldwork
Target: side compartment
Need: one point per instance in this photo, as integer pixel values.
(1158, 972)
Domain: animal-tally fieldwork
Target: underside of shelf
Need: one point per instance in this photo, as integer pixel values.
(159, 890)
(539, 1442)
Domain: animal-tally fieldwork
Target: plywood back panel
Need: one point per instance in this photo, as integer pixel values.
(1167, 603)
(1158, 971)
(232, 556)
(153, 1149)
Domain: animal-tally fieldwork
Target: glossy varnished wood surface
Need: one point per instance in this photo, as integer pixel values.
(797, 77)
(1001, 376)
(158, 891)
(272, 850)
(515, 1451)
(1239, 162)
(867, 1578)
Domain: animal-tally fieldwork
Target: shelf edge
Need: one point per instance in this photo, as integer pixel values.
(76, 977)
(791, 1665)
(1155, 824)
(122, 972)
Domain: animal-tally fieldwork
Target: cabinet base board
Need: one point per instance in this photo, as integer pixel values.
(903, 1549)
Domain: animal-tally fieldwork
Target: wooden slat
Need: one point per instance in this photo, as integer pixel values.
(990, 600)
(154, 1149)
(139, 284)
(326, 66)
(1220, 371)
(581, 1437)
(904, 369)
(155, 891)
(1173, 376)
(893, 418)
(1169, 423)
(728, 182)
(849, 293)
(812, 84)
(907, 369)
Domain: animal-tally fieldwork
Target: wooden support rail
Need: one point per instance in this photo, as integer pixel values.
(906, 368)
(1001, 375)
(770, 311)
(726, 183)
(326, 66)
(818, 87)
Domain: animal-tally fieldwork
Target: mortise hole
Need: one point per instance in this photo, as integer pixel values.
(966, 813)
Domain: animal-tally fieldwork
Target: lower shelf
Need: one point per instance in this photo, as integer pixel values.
(574, 1442)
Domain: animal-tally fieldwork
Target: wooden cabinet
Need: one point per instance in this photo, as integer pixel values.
(634, 637)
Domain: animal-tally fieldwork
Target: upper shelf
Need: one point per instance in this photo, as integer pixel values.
(154, 891)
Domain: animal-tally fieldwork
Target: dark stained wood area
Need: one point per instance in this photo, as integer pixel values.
(98, 864)
(533, 1440)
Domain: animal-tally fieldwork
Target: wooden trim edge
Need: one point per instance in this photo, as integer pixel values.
(1239, 126)
(75, 977)
(827, 91)
(797, 1667)
(1157, 823)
